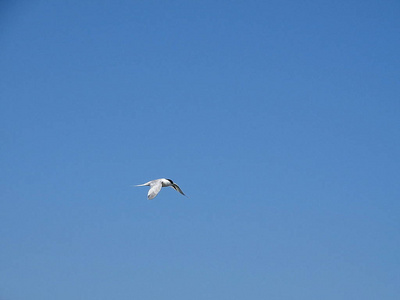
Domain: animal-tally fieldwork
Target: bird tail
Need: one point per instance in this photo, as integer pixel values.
(144, 184)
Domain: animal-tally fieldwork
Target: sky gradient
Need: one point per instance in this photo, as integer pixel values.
(279, 119)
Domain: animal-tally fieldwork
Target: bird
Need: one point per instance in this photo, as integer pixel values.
(157, 184)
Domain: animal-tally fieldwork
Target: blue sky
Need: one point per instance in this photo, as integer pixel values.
(279, 119)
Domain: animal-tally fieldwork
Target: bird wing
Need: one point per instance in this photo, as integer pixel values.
(155, 188)
(177, 188)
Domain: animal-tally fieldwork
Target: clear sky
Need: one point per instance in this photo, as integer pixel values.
(279, 119)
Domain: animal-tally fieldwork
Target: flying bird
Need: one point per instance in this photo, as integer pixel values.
(156, 185)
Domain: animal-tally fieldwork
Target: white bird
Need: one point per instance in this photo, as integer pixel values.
(156, 185)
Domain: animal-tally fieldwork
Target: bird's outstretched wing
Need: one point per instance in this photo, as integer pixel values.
(177, 188)
(155, 188)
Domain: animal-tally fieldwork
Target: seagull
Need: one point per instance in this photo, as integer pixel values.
(156, 185)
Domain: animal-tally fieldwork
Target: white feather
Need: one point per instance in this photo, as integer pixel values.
(156, 185)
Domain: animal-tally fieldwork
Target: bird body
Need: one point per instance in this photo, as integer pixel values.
(157, 184)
